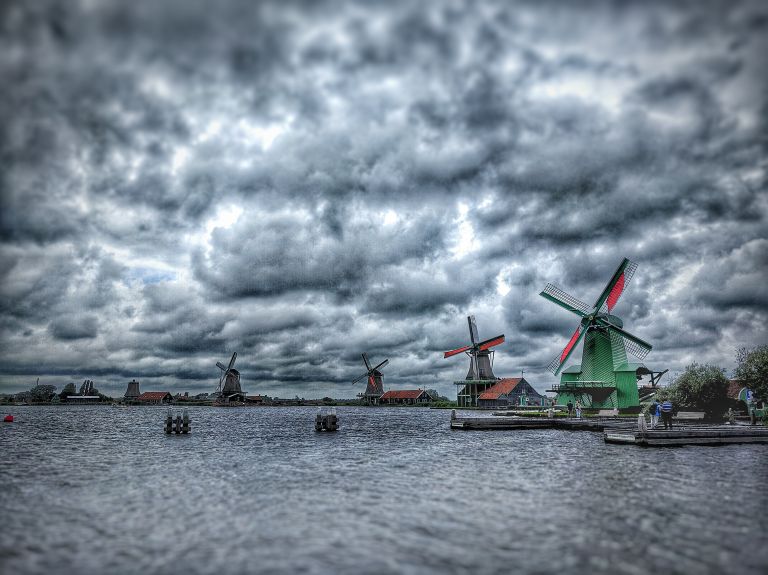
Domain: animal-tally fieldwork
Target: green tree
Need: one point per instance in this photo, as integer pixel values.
(701, 387)
(68, 390)
(663, 394)
(752, 368)
(43, 393)
(436, 396)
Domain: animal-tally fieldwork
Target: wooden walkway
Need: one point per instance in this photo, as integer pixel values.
(507, 422)
(704, 435)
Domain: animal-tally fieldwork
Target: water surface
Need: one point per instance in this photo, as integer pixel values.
(87, 489)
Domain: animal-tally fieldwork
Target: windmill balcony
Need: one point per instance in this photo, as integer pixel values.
(581, 386)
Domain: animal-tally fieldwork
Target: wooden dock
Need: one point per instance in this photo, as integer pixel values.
(514, 422)
(704, 435)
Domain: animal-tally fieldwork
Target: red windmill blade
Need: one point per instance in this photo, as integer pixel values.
(455, 351)
(489, 343)
(557, 364)
(615, 287)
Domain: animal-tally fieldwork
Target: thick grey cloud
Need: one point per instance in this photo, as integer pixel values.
(302, 182)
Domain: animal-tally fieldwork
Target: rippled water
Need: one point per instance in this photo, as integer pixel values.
(101, 490)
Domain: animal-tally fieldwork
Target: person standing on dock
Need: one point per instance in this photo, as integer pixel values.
(578, 410)
(569, 405)
(654, 410)
(666, 414)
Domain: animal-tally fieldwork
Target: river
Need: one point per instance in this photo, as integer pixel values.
(86, 489)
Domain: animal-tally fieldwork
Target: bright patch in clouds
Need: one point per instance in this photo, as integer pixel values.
(390, 218)
(465, 241)
(264, 136)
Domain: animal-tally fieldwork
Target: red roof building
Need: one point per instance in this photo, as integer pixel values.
(406, 396)
(510, 392)
(155, 397)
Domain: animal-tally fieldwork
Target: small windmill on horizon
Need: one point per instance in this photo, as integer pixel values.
(230, 378)
(375, 388)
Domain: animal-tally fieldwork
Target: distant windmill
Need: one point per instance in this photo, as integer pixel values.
(375, 388)
(480, 365)
(230, 377)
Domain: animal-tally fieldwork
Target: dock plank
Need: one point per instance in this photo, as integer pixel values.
(520, 423)
(700, 435)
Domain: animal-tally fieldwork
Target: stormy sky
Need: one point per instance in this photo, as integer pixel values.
(303, 182)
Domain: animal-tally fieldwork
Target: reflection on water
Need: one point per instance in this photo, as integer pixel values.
(95, 490)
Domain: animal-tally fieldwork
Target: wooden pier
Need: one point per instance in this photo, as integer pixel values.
(622, 430)
(514, 422)
(704, 435)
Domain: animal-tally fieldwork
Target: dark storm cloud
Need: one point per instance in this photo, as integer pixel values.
(74, 327)
(302, 182)
(266, 255)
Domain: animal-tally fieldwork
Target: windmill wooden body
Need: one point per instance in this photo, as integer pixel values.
(375, 388)
(480, 375)
(604, 379)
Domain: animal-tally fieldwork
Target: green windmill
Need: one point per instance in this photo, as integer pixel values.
(604, 379)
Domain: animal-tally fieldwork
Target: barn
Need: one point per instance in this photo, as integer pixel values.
(510, 392)
(155, 397)
(406, 396)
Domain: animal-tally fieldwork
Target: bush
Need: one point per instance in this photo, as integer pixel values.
(701, 387)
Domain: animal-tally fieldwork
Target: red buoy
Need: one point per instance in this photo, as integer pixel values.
(8, 419)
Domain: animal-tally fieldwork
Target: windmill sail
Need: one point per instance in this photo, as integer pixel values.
(616, 285)
(473, 329)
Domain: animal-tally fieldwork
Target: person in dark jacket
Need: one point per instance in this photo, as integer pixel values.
(653, 410)
(666, 414)
(569, 405)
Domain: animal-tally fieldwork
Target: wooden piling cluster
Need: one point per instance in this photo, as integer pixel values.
(326, 420)
(181, 424)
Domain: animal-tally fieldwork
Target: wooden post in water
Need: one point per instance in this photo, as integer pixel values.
(179, 424)
(325, 421)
